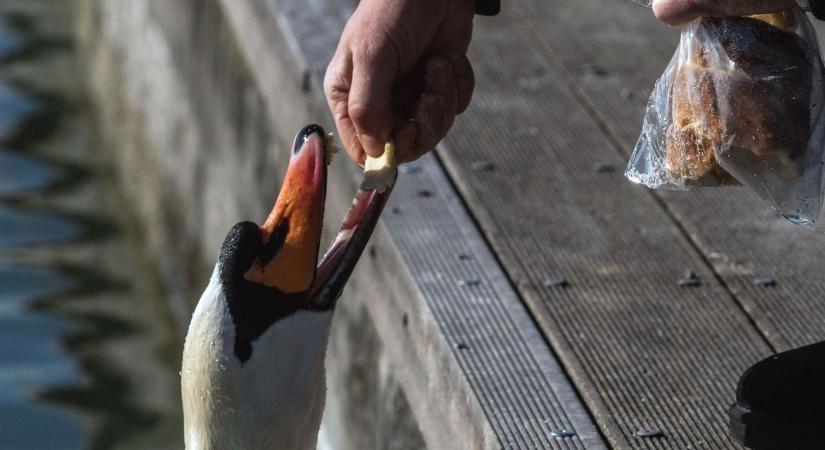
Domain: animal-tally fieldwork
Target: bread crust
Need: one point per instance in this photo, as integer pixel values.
(743, 94)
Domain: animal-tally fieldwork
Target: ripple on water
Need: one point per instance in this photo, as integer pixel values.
(33, 360)
(21, 283)
(10, 40)
(14, 107)
(27, 228)
(20, 175)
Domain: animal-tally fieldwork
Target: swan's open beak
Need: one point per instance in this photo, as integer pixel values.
(292, 232)
(339, 261)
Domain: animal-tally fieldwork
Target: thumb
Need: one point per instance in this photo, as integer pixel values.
(370, 97)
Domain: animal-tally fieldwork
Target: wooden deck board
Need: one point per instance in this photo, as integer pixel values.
(644, 352)
(560, 94)
(735, 230)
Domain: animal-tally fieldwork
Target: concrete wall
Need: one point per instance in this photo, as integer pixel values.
(198, 143)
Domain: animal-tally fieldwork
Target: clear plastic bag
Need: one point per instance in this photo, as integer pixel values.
(741, 102)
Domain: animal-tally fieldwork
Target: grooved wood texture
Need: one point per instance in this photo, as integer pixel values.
(521, 389)
(538, 159)
(553, 117)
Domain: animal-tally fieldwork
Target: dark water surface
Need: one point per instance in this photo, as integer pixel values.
(89, 355)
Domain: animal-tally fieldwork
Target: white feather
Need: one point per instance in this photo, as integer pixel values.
(274, 400)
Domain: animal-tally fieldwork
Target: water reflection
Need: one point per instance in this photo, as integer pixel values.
(88, 352)
(19, 175)
(32, 359)
(19, 228)
(10, 41)
(14, 105)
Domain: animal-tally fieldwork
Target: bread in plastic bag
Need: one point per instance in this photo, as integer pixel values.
(741, 102)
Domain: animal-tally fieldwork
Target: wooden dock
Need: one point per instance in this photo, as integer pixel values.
(523, 293)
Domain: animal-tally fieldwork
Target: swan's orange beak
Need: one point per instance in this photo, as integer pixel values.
(292, 233)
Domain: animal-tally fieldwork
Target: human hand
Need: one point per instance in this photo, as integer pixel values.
(676, 12)
(400, 73)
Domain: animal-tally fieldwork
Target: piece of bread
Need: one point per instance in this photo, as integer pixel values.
(755, 111)
(695, 127)
(380, 172)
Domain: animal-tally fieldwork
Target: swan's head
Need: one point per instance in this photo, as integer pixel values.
(253, 364)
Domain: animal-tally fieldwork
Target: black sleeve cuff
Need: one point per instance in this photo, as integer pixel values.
(817, 8)
(487, 7)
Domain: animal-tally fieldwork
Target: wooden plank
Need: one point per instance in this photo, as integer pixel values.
(644, 352)
(735, 230)
(473, 365)
(520, 385)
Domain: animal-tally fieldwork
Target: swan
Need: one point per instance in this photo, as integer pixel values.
(253, 373)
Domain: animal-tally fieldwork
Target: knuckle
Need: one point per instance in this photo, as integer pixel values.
(330, 87)
(339, 110)
(390, 48)
(336, 78)
(335, 95)
(373, 46)
(359, 111)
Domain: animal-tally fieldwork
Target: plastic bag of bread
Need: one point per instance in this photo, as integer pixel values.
(741, 102)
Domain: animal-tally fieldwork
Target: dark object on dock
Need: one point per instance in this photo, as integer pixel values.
(604, 167)
(780, 402)
(690, 280)
(469, 282)
(483, 166)
(766, 281)
(556, 283)
(409, 169)
(593, 70)
(649, 433)
(562, 433)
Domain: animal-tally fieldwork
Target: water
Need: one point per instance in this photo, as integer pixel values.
(15, 106)
(27, 228)
(20, 175)
(89, 353)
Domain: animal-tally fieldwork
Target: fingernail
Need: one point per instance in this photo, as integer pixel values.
(373, 147)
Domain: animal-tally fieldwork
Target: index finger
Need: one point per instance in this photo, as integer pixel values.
(369, 107)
